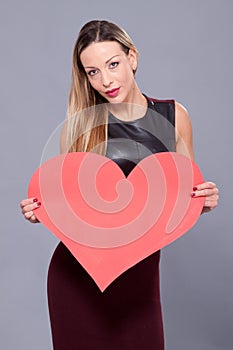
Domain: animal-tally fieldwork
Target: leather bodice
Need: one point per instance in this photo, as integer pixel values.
(131, 141)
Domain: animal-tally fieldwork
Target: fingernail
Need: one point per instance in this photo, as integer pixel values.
(194, 188)
(38, 204)
(35, 200)
(193, 194)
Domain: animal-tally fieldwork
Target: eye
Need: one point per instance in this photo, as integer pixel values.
(113, 64)
(92, 72)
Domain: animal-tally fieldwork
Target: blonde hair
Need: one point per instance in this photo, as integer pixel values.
(87, 124)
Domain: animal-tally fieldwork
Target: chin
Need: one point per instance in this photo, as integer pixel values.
(114, 102)
(119, 99)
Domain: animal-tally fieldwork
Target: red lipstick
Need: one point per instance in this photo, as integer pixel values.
(113, 92)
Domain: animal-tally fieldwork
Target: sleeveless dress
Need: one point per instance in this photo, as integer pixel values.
(127, 315)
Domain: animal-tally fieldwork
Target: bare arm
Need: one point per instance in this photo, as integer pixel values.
(28, 205)
(184, 145)
(184, 137)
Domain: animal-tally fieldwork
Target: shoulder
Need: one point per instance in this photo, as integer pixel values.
(183, 122)
(180, 110)
(182, 119)
(184, 138)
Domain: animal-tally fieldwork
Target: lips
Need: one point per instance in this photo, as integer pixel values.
(113, 92)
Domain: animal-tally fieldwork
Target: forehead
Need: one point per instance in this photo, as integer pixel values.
(100, 52)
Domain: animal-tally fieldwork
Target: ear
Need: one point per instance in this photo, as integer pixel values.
(133, 58)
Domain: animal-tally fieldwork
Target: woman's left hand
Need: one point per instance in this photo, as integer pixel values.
(210, 191)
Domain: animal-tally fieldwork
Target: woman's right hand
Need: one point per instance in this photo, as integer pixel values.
(28, 205)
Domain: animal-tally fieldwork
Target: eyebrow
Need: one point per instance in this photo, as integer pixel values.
(105, 62)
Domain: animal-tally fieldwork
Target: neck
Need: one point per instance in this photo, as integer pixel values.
(134, 108)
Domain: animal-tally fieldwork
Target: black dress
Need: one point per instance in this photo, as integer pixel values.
(127, 315)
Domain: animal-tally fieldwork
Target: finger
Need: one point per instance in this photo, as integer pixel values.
(211, 204)
(202, 193)
(28, 201)
(30, 207)
(205, 185)
(30, 216)
(207, 192)
(34, 219)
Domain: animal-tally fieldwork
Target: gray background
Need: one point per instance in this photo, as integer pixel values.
(186, 54)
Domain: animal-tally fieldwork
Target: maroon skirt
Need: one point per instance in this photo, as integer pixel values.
(126, 316)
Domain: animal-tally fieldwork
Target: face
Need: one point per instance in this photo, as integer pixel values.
(110, 70)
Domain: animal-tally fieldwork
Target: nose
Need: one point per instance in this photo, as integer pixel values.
(106, 79)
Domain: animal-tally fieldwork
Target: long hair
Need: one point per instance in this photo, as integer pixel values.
(87, 123)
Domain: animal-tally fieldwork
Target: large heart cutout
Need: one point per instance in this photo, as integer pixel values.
(108, 221)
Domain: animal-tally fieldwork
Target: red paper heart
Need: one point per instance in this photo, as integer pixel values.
(108, 221)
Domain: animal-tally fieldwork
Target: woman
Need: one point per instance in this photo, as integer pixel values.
(127, 315)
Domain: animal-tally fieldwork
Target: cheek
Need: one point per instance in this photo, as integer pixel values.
(128, 76)
(94, 83)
